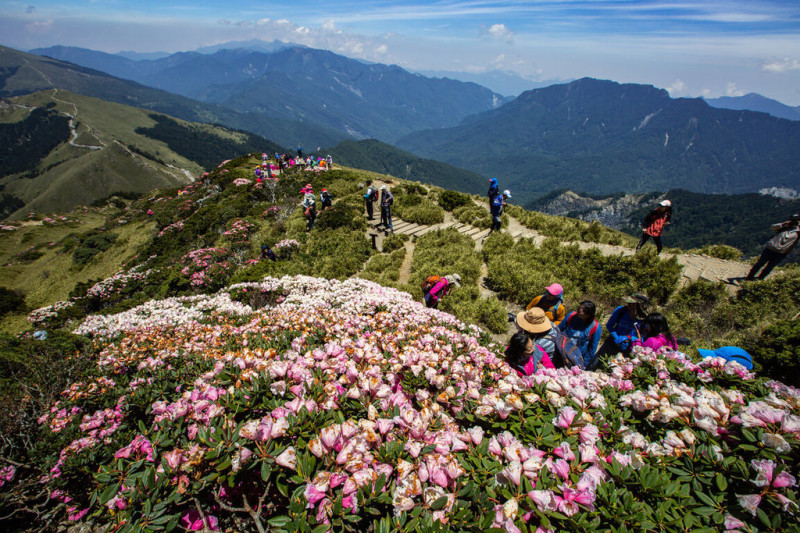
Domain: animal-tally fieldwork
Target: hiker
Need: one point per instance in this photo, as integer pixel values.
(325, 199)
(257, 172)
(539, 329)
(498, 204)
(584, 330)
(494, 190)
(309, 207)
(387, 199)
(299, 152)
(654, 333)
(653, 224)
(434, 288)
(369, 198)
(551, 303)
(329, 161)
(622, 325)
(267, 253)
(777, 247)
(264, 157)
(524, 356)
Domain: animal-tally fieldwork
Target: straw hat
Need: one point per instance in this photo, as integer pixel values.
(534, 320)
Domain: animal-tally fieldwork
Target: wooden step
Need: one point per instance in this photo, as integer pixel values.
(480, 235)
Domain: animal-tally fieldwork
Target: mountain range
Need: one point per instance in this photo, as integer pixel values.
(756, 102)
(603, 137)
(297, 83)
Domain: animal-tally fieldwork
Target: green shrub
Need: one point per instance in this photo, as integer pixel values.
(336, 254)
(450, 200)
(569, 229)
(11, 301)
(521, 271)
(418, 210)
(92, 245)
(720, 251)
(395, 241)
(443, 252)
(384, 269)
(474, 215)
(775, 351)
(340, 215)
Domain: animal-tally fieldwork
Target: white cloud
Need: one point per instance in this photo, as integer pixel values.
(778, 66)
(498, 31)
(678, 88)
(705, 93)
(382, 50)
(329, 25)
(263, 22)
(39, 26)
(731, 90)
(302, 30)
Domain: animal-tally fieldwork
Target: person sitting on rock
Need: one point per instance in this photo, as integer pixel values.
(654, 333)
(622, 325)
(524, 356)
(551, 303)
(584, 330)
(539, 328)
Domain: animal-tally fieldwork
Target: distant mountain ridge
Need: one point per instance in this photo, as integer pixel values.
(604, 137)
(297, 83)
(756, 102)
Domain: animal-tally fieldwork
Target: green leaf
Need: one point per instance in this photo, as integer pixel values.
(109, 493)
(439, 503)
(279, 521)
(722, 483)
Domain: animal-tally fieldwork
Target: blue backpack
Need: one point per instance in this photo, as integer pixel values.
(567, 354)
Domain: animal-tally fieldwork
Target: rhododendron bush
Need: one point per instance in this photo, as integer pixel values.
(349, 406)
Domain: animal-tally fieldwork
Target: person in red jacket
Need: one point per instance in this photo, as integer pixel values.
(442, 288)
(654, 222)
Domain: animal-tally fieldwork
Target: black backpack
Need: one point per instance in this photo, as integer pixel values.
(567, 354)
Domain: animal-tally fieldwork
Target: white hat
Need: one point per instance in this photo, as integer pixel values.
(665, 203)
(507, 193)
(383, 187)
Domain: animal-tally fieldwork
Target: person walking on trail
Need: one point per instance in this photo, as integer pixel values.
(325, 199)
(387, 199)
(551, 302)
(653, 224)
(622, 325)
(309, 207)
(494, 190)
(434, 288)
(655, 333)
(584, 330)
(369, 198)
(777, 247)
(498, 204)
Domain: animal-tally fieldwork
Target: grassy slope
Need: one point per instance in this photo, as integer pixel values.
(51, 277)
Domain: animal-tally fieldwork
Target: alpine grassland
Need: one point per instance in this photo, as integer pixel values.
(158, 374)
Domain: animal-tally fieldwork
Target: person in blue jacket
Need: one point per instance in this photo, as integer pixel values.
(622, 325)
(498, 204)
(584, 330)
(494, 190)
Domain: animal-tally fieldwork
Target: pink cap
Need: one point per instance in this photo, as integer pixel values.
(555, 289)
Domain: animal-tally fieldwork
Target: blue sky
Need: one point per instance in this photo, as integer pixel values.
(692, 48)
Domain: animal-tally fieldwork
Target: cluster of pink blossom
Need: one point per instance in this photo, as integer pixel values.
(41, 315)
(7, 474)
(175, 226)
(8, 227)
(240, 229)
(204, 264)
(768, 483)
(270, 211)
(117, 283)
(59, 417)
(287, 243)
(376, 341)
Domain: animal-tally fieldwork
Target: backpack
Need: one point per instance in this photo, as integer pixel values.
(372, 194)
(591, 331)
(429, 282)
(567, 354)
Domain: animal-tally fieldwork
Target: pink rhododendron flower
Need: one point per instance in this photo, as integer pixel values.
(288, 458)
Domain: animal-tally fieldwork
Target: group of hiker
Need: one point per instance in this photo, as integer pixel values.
(267, 169)
(372, 195)
(560, 339)
(309, 203)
